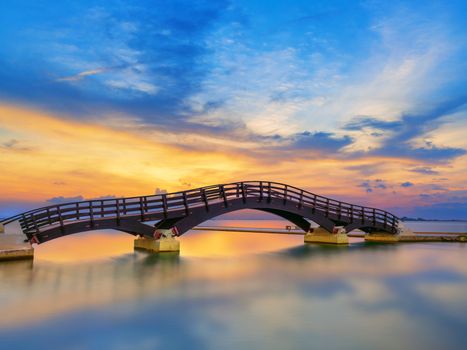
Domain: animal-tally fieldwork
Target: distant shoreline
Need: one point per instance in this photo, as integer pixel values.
(405, 219)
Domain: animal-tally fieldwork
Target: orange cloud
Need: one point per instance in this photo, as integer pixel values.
(91, 159)
(57, 156)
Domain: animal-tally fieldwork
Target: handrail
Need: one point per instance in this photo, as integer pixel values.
(32, 220)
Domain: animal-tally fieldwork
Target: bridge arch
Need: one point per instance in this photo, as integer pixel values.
(288, 211)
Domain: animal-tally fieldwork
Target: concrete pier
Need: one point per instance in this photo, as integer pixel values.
(382, 237)
(12, 243)
(163, 241)
(403, 234)
(161, 245)
(320, 235)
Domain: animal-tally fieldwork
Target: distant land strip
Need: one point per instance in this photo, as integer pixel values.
(419, 236)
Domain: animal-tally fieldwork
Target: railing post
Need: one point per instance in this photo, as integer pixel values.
(237, 188)
(300, 201)
(91, 214)
(185, 204)
(222, 190)
(118, 212)
(327, 207)
(351, 213)
(285, 194)
(243, 192)
(49, 219)
(261, 190)
(77, 211)
(35, 223)
(25, 222)
(269, 192)
(124, 206)
(59, 212)
(385, 219)
(141, 208)
(313, 210)
(374, 217)
(340, 211)
(164, 205)
(102, 209)
(205, 198)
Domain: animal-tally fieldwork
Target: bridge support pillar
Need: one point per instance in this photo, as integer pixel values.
(320, 235)
(161, 245)
(12, 243)
(403, 234)
(381, 237)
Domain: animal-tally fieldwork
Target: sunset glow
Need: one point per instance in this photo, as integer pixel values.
(372, 113)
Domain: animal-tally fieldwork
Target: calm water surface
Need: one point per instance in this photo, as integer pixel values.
(229, 290)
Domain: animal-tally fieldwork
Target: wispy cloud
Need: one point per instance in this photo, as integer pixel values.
(82, 75)
(14, 145)
(361, 122)
(424, 170)
(10, 144)
(62, 199)
(320, 141)
(135, 85)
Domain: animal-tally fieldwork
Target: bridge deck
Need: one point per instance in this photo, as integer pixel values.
(217, 199)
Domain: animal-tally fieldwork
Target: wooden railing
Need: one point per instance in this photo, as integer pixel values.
(34, 220)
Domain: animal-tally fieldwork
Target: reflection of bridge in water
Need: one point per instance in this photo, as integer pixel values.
(43, 289)
(176, 213)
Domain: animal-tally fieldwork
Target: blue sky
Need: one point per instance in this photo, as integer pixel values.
(357, 83)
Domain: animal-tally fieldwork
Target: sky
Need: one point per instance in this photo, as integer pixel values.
(363, 101)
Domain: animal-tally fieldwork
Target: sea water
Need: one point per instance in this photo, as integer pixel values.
(231, 290)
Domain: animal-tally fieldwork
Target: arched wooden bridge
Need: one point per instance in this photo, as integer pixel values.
(187, 209)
